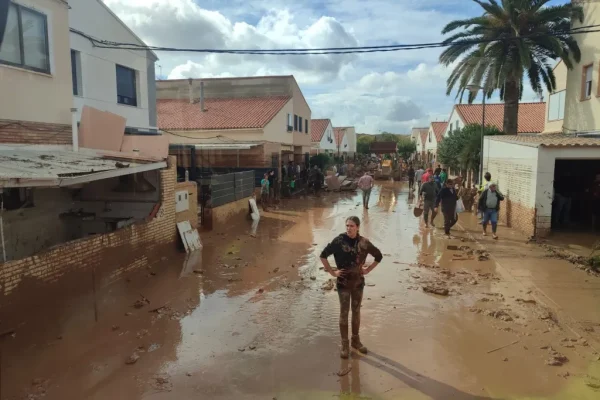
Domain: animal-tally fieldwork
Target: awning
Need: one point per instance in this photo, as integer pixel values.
(216, 146)
(27, 167)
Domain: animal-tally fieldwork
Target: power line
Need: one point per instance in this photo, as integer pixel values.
(101, 43)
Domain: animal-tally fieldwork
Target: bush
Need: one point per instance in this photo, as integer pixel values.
(321, 160)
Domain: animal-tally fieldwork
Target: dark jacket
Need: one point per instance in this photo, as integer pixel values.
(448, 197)
(431, 190)
(483, 199)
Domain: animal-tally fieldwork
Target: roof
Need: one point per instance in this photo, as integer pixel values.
(220, 114)
(438, 129)
(424, 134)
(317, 129)
(339, 135)
(550, 140)
(415, 132)
(383, 147)
(532, 116)
(54, 167)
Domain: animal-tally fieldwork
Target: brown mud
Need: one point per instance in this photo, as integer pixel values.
(253, 316)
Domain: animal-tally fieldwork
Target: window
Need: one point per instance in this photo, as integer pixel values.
(25, 41)
(295, 122)
(126, 86)
(456, 128)
(556, 106)
(300, 124)
(76, 72)
(429, 137)
(586, 90)
(306, 127)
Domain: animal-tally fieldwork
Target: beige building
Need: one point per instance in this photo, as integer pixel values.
(582, 97)
(38, 76)
(555, 104)
(270, 113)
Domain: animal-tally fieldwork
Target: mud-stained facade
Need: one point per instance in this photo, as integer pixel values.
(127, 247)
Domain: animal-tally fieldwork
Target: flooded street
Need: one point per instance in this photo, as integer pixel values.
(247, 318)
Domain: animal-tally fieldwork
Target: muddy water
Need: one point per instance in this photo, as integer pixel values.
(247, 319)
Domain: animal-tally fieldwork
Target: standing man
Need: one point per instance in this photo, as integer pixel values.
(411, 178)
(365, 183)
(272, 186)
(448, 197)
(489, 205)
(427, 195)
(418, 177)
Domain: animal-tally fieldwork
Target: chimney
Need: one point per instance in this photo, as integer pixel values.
(191, 90)
(202, 96)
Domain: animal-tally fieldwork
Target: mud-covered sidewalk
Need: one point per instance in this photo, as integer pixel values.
(252, 317)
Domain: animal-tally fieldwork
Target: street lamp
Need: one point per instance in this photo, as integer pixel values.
(474, 89)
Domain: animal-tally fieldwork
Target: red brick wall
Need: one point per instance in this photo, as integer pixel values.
(123, 250)
(34, 132)
(517, 216)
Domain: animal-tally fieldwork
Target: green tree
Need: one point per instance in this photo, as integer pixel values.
(406, 146)
(511, 40)
(363, 144)
(462, 148)
(321, 160)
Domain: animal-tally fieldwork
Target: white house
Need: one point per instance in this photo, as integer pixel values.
(435, 135)
(350, 134)
(531, 117)
(341, 141)
(322, 138)
(118, 81)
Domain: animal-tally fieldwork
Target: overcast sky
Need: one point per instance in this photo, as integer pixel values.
(374, 92)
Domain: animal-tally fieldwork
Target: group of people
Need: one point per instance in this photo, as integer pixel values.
(436, 190)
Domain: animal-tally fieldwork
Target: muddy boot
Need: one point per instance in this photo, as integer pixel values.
(345, 352)
(358, 345)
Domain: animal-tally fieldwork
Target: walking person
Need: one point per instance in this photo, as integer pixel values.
(489, 205)
(443, 176)
(447, 197)
(264, 192)
(427, 196)
(350, 252)
(411, 178)
(365, 183)
(418, 177)
(272, 187)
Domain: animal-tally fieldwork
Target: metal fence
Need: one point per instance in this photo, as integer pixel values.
(228, 188)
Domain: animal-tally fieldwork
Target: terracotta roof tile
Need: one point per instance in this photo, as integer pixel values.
(532, 116)
(339, 135)
(236, 113)
(438, 129)
(317, 129)
(550, 140)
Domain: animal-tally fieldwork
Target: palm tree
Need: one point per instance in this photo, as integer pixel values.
(511, 40)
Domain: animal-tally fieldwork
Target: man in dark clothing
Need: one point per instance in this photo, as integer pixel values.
(448, 197)
(489, 205)
(438, 170)
(428, 194)
(411, 178)
(271, 185)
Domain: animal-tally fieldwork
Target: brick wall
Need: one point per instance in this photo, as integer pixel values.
(34, 133)
(190, 214)
(120, 251)
(517, 216)
(515, 179)
(257, 156)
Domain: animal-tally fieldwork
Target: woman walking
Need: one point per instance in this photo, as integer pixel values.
(350, 251)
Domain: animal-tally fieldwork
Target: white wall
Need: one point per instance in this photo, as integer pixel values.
(351, 134)
(325, 144)
(431, 145)
(514, 168)
(454, 119)
(98, 66)
(344, 147)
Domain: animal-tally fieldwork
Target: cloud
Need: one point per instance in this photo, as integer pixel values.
(390, 91)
